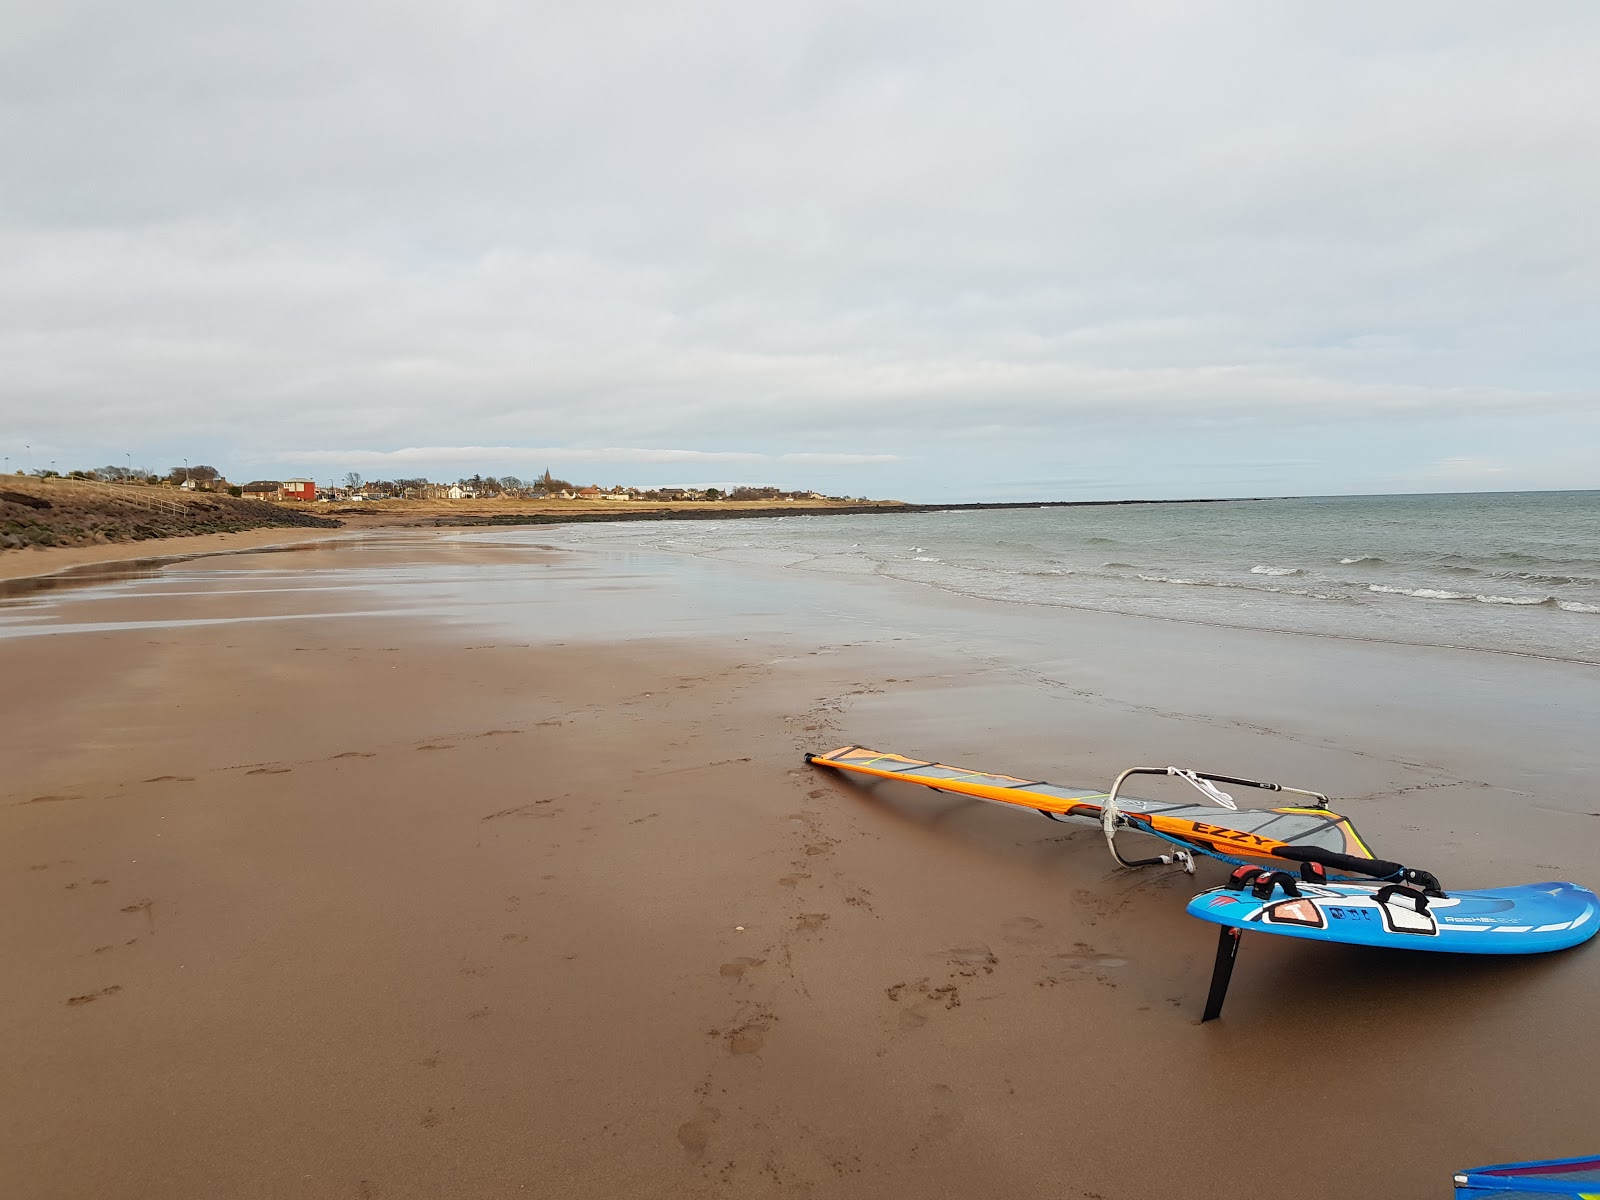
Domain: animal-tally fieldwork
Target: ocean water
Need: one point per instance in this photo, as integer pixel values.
(1508, 572)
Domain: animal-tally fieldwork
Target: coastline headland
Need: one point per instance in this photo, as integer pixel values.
(700, 512)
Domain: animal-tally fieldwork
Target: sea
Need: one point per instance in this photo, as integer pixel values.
(1515, 573)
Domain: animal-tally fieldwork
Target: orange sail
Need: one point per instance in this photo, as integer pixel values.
(1258, 833)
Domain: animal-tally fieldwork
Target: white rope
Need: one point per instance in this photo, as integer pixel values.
(1208, 789)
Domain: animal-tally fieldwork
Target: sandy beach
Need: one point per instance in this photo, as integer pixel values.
(41, 561)
(430, 863)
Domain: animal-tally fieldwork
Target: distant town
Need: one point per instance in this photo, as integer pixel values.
(355, 489)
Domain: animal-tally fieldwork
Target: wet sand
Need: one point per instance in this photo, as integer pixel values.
(37, 561)
(444, 865)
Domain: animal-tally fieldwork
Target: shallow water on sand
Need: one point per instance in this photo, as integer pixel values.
(1514, 572)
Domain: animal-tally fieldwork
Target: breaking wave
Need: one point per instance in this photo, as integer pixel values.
(1361, 560)
(1420, 593)
(1276, 571)
(1525, 601)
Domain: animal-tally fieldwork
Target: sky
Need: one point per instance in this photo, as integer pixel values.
(918, 250)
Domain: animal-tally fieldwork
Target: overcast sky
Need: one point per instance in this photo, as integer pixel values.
(934, 251)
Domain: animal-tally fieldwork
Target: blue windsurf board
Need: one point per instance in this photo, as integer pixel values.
(1530, 918)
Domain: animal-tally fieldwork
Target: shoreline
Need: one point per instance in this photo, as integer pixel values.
(47, 562)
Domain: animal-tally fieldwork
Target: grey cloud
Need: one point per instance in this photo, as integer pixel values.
(756, 230)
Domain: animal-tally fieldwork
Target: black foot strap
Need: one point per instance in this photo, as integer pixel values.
(1222, 973)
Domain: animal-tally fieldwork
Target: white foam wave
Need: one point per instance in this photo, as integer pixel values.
(1276, 571)
(1420, 593)
(1358, 559)
(1523, 601)
(922, 558)
(1243, 587)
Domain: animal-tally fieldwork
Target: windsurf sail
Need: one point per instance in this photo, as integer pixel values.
(1575, 1178)
(1306, 832)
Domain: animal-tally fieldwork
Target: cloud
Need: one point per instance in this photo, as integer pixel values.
(1458, 473)
(930, 247)
(501, 456)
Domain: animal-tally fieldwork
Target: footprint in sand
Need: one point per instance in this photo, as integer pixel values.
(922, 1001)
(171, 779)
(971, 961)
(1023, 931)
(524, 810)
(1083, 961)
(47, 800)
(695, 1135)
(145, 906)
(435, 746)
(355, 754)
(269, 771)
(810, 922)
(737, 968)
(91, 997)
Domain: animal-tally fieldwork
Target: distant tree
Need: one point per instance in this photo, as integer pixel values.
(411, 485)
(352, 479)
(550, 483)
(200, 474)
(509, 483)
(713, 494)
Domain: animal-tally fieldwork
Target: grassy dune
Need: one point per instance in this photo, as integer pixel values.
(70, 512)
